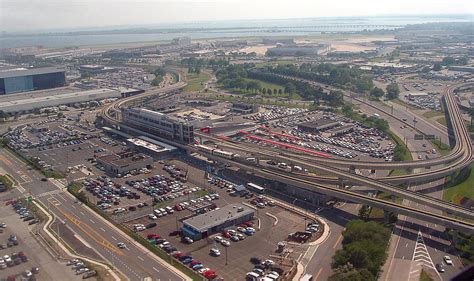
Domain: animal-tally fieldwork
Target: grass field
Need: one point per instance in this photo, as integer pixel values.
(196, 81)
(400, 172)
(425, 277)
(407, 105)
(281, 62)
(432, 113)
(266, 85)
(461, 186)
(377, 213)
(442, 121)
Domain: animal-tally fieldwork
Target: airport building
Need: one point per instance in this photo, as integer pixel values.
(19, 104)
(24, 80)
(318, 125)
(160, 124)
(202, 226)
(124, 162)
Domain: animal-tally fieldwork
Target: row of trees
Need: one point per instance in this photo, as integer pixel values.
(212, 63)
(159, 74)
(338, 75)
(392, 92)
(304, 89)
(363, 251)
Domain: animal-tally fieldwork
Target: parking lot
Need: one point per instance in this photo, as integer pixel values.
(22, 257)
(350, 140)
(274, 224)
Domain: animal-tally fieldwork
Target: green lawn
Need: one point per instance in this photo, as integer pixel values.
(461, 186)
(432, 113)
(442, 148)
(266, 85)
(425, 277)
(400, 172)
(280, 62)
(376, 213)
(196, 81)
(407, 105)
(442, 121)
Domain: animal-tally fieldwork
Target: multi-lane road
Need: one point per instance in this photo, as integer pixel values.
(135, 262)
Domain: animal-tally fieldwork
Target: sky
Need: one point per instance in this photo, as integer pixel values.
(29, 15)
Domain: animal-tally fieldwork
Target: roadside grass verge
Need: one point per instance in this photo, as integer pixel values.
(425, 276)
(460, 187)
(405, 104)
(401, 152)
(442, 121)
(442, 148)
(398, 172)
(7, 181)
(432, 113)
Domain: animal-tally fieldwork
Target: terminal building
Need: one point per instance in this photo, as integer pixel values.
(202, 226)
(124, 162)
(24, 80)
(160, 124)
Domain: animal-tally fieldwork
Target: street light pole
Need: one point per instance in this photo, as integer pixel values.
(226, 255)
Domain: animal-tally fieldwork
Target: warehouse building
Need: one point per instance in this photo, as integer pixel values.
(124, 162)
(24, 80)
(160, 124)
(204, 225)
(12, 105)
(318, 125)
(244, 108)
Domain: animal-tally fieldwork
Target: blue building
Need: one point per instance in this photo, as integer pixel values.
(202, 226)
(24, 80)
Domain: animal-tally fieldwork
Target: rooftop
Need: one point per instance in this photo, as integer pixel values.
(30, 100)
(318, 123)
(15, 72)
(123, 159)
(213, 218)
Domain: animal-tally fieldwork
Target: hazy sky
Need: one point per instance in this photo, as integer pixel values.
(18, 15)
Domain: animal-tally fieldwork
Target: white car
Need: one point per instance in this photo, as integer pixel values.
(152, 217)
(225, 243)
(218, 238)
(448, 260)
(215, 252)
(203, 270)
(121, 245)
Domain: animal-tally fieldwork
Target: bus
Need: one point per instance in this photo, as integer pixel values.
(256, 188)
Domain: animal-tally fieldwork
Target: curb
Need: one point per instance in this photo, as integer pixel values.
(134, 242)
(50, 219)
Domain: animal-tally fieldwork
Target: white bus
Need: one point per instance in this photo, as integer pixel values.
(256, 188)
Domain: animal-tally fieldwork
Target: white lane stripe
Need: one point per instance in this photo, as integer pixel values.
(140, 258)
(102, 229)
(156, 269)
(82, 213)
(91, 221)
(114, 238)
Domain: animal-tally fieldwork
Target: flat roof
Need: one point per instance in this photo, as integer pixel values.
(155, 115)
(318, 123)
(213, 218)
(30, 100)
(159, 143)
(123, 159)
(15, 72)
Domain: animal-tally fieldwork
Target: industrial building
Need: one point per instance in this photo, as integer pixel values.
(124, 162)
(318, 125)
(160, 124)
(202, 226)
(12, 105)
(24, 80)
(244, 108)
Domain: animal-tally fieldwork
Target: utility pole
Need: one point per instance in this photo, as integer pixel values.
(226, 255)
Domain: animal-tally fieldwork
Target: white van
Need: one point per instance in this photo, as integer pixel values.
(252, 276)
(157, 213)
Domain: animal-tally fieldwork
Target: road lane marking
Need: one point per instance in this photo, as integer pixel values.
(91, 221)
(156, 269)
(91, 232)
(74, 207)
(319, 273)
(102, 229)
(337, 242)
(82, 213)
(140, 258)
(114, 238)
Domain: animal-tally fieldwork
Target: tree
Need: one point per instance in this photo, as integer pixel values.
(392, 91)
(437, 67)
(269, 91)
(448, 61)
(280, 91)
(426, 69)
(253, 85)
(275, 91)
(347, 110)
(376, 93)
(290, 88)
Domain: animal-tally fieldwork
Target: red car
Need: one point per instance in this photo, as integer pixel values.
(153, 236)
(193, 262)
(210, 274)
(248, 224)
(178, 255)
(226, 234)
